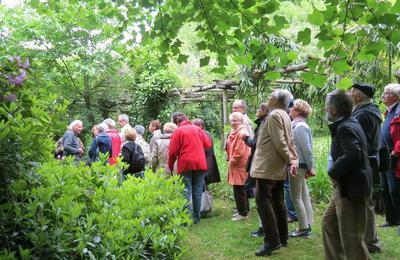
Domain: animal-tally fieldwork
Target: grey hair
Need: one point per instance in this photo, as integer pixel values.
(236, 115)
(283, 97)
(110, 123)
(393, 88)
(74, 123)
(242, 103)
(103, 128)
(124, 117)
(169, 128)
(139, 129)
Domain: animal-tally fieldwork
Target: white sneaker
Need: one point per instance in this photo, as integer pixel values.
(239, 217)
(235, 214)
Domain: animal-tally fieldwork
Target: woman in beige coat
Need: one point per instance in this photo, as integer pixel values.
(238, 153)
(159, 155)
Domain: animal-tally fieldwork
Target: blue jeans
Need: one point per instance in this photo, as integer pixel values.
(291, 212)
(194, 181)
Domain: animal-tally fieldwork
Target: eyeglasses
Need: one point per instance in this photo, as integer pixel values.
(387, 94)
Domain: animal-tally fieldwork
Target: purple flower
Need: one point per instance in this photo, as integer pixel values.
(25, 65)
(17, 80)
(16, 59)
(11, 98)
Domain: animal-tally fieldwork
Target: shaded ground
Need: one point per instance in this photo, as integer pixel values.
(217, 237)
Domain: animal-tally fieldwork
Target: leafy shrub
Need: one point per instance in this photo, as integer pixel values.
(53, 209)
(320, 185)
(151, 87)
(77, 211)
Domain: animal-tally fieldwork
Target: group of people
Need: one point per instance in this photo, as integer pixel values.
(127, 143)
(183, 147)
(363, 147)
(279, 149)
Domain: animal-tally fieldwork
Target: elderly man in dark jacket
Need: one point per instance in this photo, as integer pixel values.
(369, 117)
(344, 220)
(390, 177)
(71, 142)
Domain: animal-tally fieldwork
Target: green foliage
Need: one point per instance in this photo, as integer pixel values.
(59, 209)
(27, 125)
(151, 87)
(320, 186)
(68, 211)
(208, 111)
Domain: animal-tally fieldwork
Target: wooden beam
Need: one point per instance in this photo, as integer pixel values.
(287, 81)
(225, 106)
(300, 67)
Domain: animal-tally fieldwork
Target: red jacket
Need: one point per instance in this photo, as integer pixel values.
(187, 145)
(115, 145)
(395, 134)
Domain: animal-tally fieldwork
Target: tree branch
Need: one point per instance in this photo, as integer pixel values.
(246, 18)
(344, 31)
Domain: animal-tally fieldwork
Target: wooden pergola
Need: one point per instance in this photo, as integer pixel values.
(223, 91)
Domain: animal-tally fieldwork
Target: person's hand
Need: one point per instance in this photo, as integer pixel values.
(310, 173)
(293, 169)
(81, 151)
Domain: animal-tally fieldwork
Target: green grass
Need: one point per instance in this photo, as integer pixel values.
(217, 237)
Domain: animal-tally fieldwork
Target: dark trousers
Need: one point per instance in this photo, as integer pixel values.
(391, 196)
(241, 200)
(272, 211)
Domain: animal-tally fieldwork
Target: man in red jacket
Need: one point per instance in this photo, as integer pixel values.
(188, 144)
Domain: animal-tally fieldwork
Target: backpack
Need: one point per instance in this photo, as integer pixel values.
(59, 149)
(137, 160)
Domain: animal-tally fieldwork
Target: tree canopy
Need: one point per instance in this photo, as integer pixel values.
(343, 31)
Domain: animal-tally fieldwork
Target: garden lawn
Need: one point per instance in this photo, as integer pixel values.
(217, 237)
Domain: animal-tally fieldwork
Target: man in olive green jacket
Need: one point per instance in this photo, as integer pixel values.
(274, 157)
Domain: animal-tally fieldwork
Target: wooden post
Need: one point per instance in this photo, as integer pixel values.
(224, 114)
(225, 105)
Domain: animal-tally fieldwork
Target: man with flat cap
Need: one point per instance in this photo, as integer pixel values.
(368, 115)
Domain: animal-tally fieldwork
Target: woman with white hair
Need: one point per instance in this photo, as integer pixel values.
(71, 145)
(101, 143)
(238, 153)
(115, 140)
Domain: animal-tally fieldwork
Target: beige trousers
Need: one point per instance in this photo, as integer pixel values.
(343, 227)
(301, 199)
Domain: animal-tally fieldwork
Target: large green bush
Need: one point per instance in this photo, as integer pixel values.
(75, 211)
(60, 209)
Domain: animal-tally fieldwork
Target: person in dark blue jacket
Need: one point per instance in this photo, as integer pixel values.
(101, 143)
